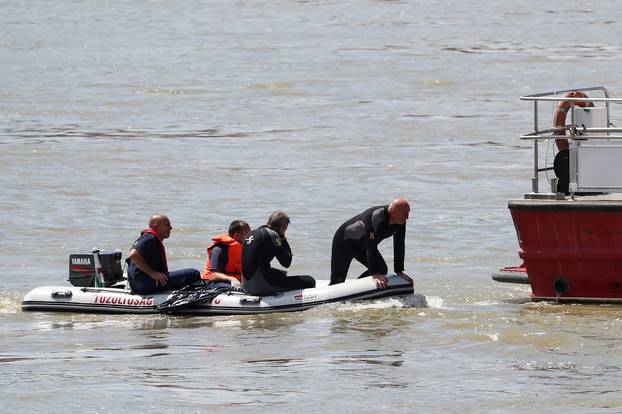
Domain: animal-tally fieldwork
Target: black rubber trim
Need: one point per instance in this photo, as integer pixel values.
(511, 277)
(85, 307)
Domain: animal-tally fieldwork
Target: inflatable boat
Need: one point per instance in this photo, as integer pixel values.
(99, 285)
(205, 302)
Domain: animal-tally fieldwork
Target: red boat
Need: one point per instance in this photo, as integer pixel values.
(570, 236)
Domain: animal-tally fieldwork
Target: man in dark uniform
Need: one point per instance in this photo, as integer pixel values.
(259, 248)
(148, 271)
(358, 239)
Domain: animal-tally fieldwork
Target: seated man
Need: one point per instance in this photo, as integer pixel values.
(259, 248)
(224, 256)
(358, 239)
(148, 271)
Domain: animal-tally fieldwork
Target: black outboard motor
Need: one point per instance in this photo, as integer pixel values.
(83, 269)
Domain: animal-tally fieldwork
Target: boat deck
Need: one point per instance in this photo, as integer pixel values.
(588, 202)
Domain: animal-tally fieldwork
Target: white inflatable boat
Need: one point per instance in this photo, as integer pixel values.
(121, 300)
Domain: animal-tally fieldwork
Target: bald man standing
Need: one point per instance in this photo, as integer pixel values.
(148, 271)
(358, 238)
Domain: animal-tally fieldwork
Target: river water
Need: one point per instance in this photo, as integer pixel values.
(210, 111)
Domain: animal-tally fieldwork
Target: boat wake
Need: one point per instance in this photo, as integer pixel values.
(415, 300)
(10, 302)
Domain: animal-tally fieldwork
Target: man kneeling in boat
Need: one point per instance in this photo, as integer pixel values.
(259, 248)
(358, 239)
(223, 266)
(148, 271)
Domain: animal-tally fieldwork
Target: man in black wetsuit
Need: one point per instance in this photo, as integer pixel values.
(358, 239)
(259, 248)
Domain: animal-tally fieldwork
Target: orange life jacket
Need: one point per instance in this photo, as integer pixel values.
(234, 257)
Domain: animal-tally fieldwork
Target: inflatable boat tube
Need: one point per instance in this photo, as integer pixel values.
(121, 300)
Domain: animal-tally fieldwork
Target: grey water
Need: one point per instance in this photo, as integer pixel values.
(214, 110)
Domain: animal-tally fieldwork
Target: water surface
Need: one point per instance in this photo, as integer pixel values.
(210, 111)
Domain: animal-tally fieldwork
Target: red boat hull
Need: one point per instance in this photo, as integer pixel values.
(572, 249)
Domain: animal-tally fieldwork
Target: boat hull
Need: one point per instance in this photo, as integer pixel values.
(572, 249)
(115, 300)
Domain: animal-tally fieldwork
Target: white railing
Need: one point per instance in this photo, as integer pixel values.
(595, 151)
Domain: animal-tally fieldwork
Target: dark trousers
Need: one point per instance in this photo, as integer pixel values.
(342, 254)
(277, 281)
(143, 284)
(216, 285)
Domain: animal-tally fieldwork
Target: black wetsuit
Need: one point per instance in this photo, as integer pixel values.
(258, 278)
(358, 239)
(561, 166)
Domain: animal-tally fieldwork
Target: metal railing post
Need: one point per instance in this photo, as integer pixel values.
(606, 92)
(534, 180)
